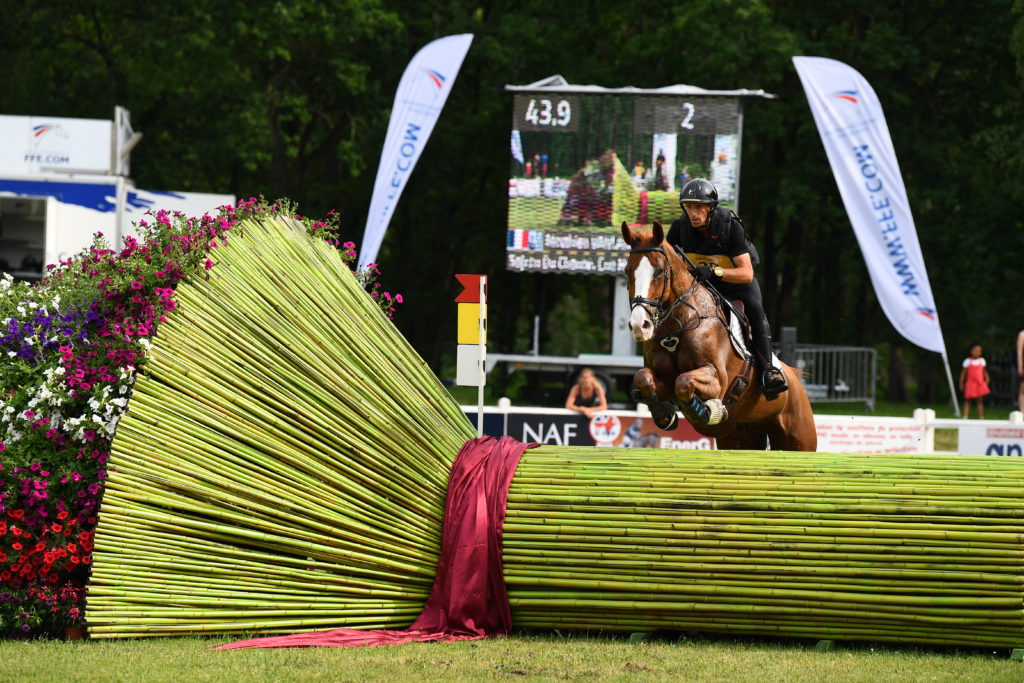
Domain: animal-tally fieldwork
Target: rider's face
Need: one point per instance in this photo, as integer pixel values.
(697, 213)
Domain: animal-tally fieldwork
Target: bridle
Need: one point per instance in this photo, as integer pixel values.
(655, 308)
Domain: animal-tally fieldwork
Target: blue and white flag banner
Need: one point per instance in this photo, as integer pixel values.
(856, 139)
(421, 95)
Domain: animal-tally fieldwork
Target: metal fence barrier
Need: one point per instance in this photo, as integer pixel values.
(838, 374)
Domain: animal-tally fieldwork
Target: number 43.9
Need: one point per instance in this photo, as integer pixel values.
(544, 113)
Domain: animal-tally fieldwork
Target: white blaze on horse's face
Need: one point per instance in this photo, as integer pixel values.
(640, 323)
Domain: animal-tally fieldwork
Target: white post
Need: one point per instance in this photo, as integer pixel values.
(926, 416)
(482, 362)
(504, 404)
(622, 340)
(120, 198)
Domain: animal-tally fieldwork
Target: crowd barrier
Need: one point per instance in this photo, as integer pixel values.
(836, 433)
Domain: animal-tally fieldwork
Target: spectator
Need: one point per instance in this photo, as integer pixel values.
(587, 395)
(974, 381)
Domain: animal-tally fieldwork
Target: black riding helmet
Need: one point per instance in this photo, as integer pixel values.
(698, 191)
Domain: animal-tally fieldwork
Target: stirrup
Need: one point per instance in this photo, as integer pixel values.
(773, 383)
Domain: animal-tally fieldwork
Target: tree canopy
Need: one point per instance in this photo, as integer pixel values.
(293, 99)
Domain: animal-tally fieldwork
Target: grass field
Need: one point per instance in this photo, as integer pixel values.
(536, 657)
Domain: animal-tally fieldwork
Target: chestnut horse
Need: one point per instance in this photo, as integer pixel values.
(691, 364)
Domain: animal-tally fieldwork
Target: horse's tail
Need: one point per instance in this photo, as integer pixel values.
(800, 372)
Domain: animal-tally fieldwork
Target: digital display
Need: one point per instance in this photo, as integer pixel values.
(584, 163)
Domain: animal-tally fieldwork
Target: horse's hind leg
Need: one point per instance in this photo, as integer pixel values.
(649, 390)
(746, 437)
(793, 429)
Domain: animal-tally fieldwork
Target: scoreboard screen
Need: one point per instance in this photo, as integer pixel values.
(584, 162)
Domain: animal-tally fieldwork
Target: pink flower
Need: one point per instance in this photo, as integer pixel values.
(398, 298)
(208, 264)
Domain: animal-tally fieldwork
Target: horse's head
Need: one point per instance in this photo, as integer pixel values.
(651, 272)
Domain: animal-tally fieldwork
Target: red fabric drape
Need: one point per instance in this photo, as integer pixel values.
(468, 599)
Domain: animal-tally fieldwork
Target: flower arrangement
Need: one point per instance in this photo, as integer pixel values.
(72, 344)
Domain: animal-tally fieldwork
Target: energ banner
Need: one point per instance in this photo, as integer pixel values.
(421, 95)
(856, 138)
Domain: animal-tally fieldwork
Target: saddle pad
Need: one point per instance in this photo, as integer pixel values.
(736, 336)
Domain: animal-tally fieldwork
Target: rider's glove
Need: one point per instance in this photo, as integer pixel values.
(703, 273)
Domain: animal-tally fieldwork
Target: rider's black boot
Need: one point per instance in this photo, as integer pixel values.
(773, 382)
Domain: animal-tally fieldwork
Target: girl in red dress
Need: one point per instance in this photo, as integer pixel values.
(974, 381)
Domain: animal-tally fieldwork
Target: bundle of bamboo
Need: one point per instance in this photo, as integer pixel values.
(284, 458)
(284, 461)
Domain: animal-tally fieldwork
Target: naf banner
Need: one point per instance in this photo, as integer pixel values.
(421, 95)
(856, 138)
(604, 429)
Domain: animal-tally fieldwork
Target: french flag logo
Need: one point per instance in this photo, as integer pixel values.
(848, 95)
(926, 312)
(37, 131)
(436, 77)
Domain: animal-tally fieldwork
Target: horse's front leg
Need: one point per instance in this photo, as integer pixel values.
(650, 390)
(697, 392)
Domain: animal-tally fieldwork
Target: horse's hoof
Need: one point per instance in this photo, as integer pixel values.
(664, 416)
(718, 411)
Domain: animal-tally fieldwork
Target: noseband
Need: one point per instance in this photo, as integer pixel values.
(655, 308)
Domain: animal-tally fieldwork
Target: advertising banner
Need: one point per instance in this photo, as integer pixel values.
(605, 429)
(982, 439)
(421, 95)
(846, 434)
(41, 145)
(856, 138)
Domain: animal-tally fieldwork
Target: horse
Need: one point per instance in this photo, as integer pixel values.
(690, 362)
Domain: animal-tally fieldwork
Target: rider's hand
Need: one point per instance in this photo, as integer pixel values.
(703, 273)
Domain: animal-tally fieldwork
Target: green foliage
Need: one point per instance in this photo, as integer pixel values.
(573, 328)
(293, 99)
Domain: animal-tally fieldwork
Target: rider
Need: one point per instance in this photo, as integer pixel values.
(714, 238)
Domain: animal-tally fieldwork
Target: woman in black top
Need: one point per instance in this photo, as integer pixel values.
(587, 395)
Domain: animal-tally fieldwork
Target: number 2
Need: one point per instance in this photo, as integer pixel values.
(687, 121)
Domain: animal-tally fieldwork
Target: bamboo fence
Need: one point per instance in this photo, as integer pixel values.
(283, 466)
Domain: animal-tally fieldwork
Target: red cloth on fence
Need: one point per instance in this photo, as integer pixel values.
(469, 599)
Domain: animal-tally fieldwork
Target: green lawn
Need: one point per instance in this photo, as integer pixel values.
(538, 657)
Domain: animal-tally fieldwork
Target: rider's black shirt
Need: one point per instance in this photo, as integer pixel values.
(726, 237)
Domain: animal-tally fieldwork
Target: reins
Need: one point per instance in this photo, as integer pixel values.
(656, 309)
